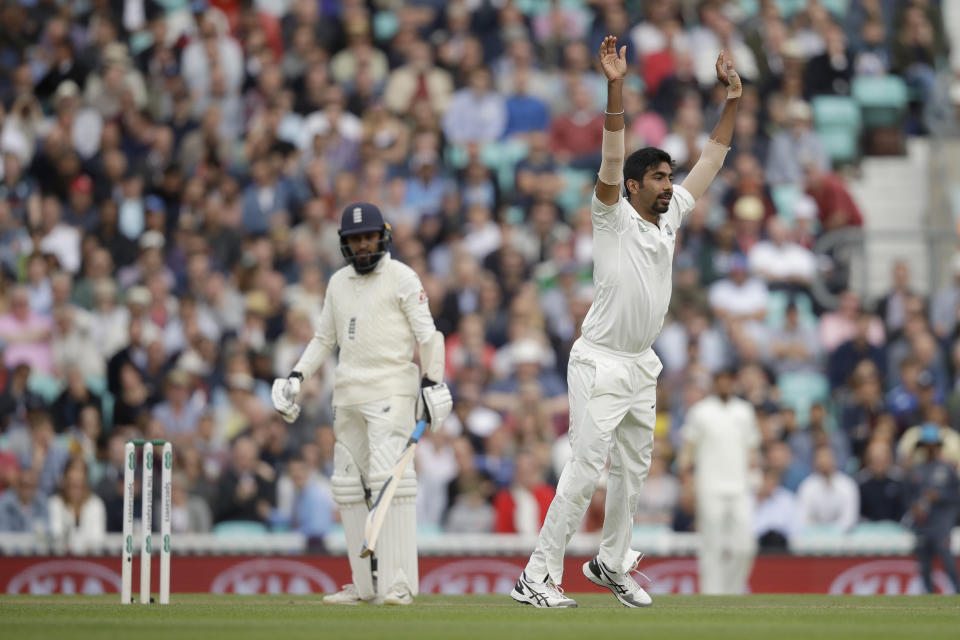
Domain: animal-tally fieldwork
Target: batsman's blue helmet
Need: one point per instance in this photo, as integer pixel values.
(363, 217)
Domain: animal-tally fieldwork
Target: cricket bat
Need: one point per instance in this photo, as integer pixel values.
(378, 513)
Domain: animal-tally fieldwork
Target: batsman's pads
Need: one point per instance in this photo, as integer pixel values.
(434, 403)
(348, 493)
(397, 546)
(284, 394)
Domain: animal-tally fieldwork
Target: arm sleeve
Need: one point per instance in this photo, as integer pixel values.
(413, 301)
(605, 216)
(321, 345)
(433, 357)
(706, 168)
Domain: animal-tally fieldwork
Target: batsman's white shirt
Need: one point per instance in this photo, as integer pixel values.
(376, 319)
(632, 273)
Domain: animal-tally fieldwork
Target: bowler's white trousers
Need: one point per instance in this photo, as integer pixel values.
(612, 413)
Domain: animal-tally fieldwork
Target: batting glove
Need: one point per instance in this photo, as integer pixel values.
(434, 403)
(284, 395)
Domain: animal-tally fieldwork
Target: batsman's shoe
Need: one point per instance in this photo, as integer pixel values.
(348, 596)
(623, 586)
(398, 595)
(543, 595)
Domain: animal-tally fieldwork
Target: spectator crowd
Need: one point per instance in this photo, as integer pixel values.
(172, 181)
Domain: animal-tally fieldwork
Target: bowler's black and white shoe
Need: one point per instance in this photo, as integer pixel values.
(543, 595)
(623, 586)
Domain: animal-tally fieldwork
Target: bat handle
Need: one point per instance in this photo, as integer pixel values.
(421, 427)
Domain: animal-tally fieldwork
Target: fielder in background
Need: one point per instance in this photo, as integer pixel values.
(612, 375)
(933, 492)
(720, 441)
(376, 312)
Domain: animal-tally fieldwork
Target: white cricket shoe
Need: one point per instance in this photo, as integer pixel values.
(622, 585)
(348, 595)
(543, 595)
(398, 595)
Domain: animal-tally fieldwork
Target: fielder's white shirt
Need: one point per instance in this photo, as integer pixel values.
(376, 319)
(632, 273)
(722, 435)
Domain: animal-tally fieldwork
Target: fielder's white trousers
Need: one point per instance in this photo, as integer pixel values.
(727, 544)
(369, 440)
(612, 414)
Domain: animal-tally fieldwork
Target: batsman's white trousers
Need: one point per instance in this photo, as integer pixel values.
(369, 440)
(613, 400)
(727, 544)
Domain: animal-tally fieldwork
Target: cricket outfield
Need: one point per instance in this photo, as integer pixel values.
(232, 617)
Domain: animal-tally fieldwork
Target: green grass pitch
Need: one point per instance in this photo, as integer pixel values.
(599, 617)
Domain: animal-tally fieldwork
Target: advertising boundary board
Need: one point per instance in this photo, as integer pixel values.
(859, 575)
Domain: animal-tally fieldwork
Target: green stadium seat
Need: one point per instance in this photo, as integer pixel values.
(239, 528)
(790, 7)
(882, 99)
(44, 385)
(750, 8)
(385, 25)
(576, 183)
(785, 197)
(838, 122)
(836, 111)
(777, 309)
(838, 8)
(801, 390)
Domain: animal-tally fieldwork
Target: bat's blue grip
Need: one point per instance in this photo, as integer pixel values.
(421, 427)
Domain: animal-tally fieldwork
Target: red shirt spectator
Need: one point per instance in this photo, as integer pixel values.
(522, 507)
(835, 205)
(579, 133)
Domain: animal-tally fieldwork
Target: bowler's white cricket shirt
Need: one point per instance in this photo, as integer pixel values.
(632, 273)
(376, 319)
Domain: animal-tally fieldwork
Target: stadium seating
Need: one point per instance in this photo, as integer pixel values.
(838, 122)
(801, 390)
(882, 99)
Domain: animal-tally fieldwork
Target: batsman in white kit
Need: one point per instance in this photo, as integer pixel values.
(612, 374)
(376, 311)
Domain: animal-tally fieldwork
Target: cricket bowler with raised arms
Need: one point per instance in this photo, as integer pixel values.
(612, 374)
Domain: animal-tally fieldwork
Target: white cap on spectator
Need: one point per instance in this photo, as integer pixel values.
(192, 363)
(66, 89)
(526, 351)
(140, 296)
(116, 53)
(152, 240)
